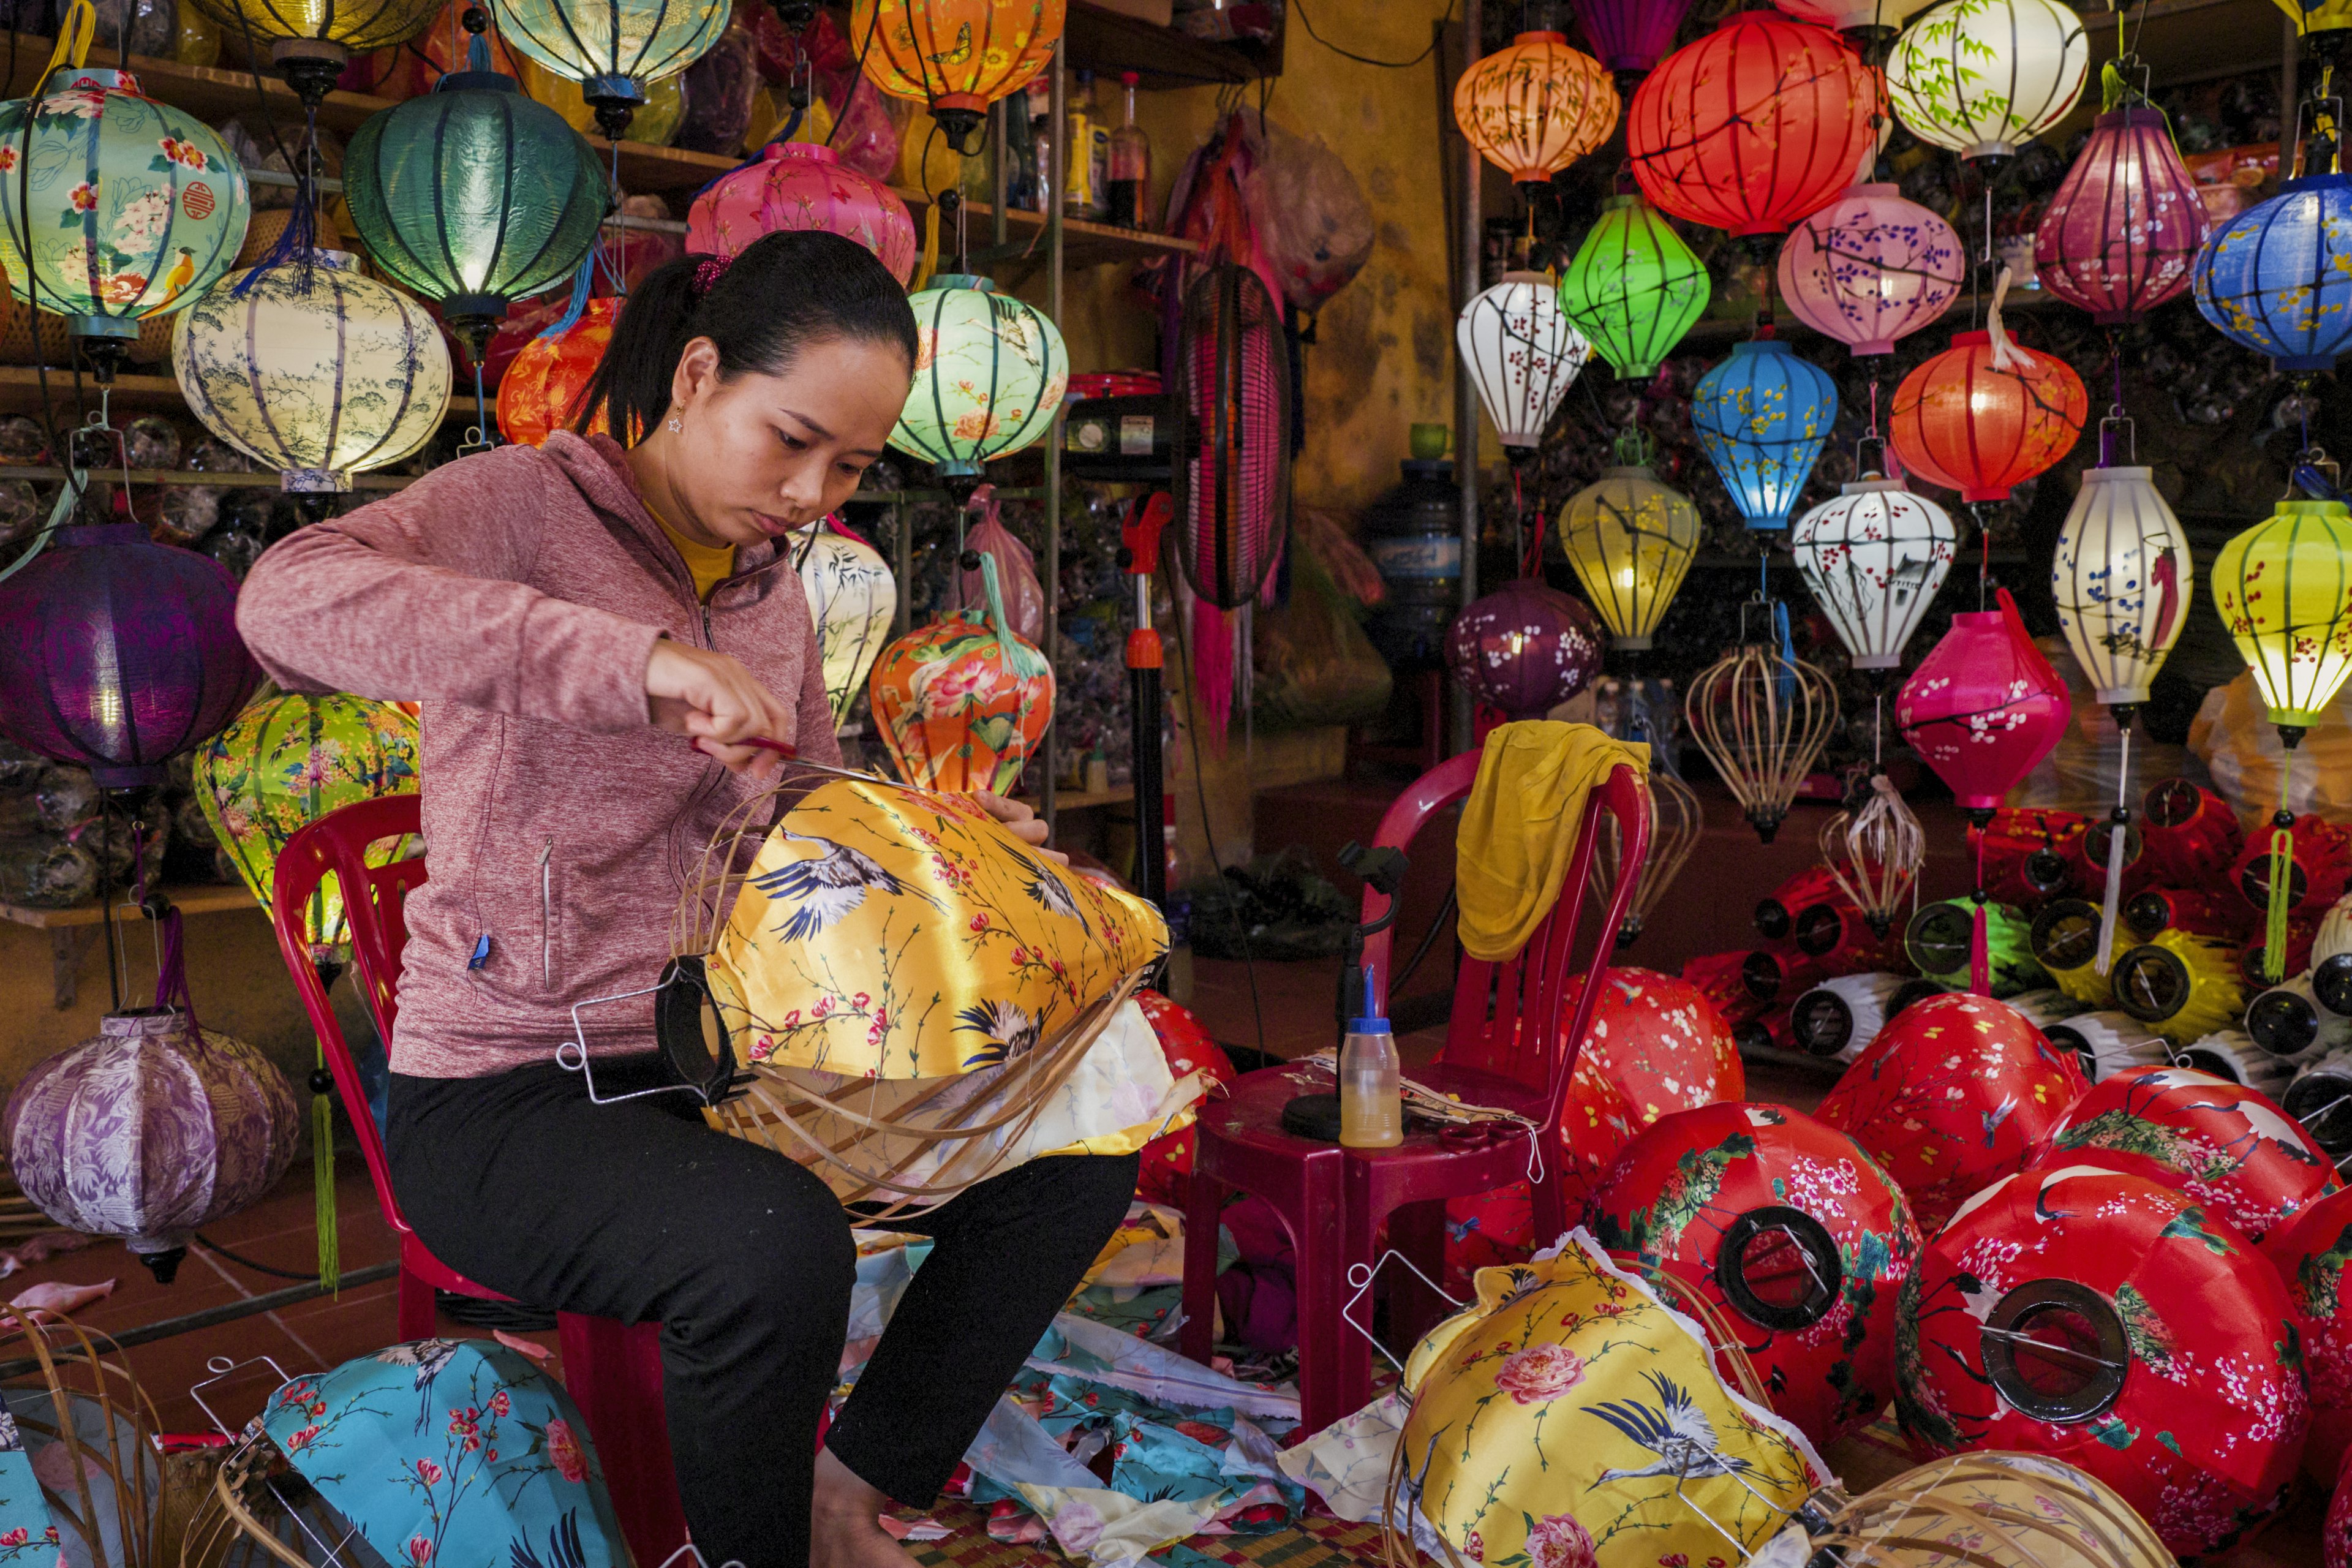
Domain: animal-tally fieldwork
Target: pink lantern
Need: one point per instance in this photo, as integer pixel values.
(797, 185)
(2118, 238)
(1870, 268)
(1983, 707)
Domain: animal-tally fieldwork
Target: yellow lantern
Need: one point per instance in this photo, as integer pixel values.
(1537, 106)
(2333, 16)
(310, 41)
(1630, 540)
(957, 56)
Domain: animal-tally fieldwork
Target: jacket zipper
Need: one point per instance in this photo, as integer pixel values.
(712, 773)
(547, 914)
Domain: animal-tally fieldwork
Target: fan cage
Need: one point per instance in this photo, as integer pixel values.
(1231, 401)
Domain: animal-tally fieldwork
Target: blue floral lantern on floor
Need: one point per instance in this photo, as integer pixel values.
(1762, 415)
(2278, 276)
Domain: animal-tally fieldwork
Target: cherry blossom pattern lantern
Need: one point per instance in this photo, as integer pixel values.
(852, 599)
(1871, 268)
(801, 184)
(2118, 237)
(2118, 1325)
(1874, 556)
(1786, 1227)
(956, 56)
(540, 392)
(1982, 77)
(1633, 288)
(1521, 353)
(2277, 278)
(1630, 35)
(1762, 416)
(1983, 707)
(2310, 1252)
(1955, 1092)
(1761, 716)
(1631, 539)
(2121, 576)
(1526, 647)
(990, 372)
(1988, 414)
(1535, 106)
(1756, 125)
(1659, 1041)
(961, 702)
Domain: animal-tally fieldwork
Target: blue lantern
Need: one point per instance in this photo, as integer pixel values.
(1762, 415)
(2278, 276)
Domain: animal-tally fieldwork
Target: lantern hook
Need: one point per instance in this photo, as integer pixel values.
(1869, 438)
(2316, 475)
(2118, 420)
(1761, 603)
(2325, 140)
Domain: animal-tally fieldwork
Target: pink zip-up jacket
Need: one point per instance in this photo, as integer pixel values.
(518, 595)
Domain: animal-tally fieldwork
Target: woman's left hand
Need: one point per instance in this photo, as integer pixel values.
(1026, 825)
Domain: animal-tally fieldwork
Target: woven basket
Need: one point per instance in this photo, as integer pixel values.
(271, 223)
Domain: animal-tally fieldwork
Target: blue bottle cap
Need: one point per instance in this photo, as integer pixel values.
(1371, 1023)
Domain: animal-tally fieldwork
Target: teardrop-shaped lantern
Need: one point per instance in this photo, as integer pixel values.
(1630, 540)
(1762, 416)
(990, 372)
(2119, 236)
(1630, 35)
(2121, 576)
(1535, 106)
(1762, 718)
(1633, 288)
(540, 392)
(2284, 590)
(802, 185)
(1521, 353)
(956, 56)
(1871, 268)
(1984, 707)
(1873, 557)
(2278, 276)
(1986, 415)
(613, 48)
(961, 702)
(1982, 77)
(852, 599)
(1526, 647)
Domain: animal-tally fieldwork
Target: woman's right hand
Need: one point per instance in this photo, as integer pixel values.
(711, 698)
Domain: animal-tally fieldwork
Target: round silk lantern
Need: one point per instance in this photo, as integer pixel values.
(1631, 540)
(1633, 288)
(117, 654)
(2121, 577)
(1630, 35)
(158, 211)
(2118, 238)
(2310, 1252)
(989, 376)
(1987, 414)
(611, 48)
(313, 370)
(1984, 707)
(851, 598)
(1955, 1092)
(1786, 1225)
(2218, 1143)
(1981, 78)
(311, 44)
(957, 56)
(1754, 126)
(1871, 268)
(1535, 106)
(2277, 278)
(2284, 590)
(1660, 1043)
(2182, 985)
(1762, 416)
(1526, 647)
(540, 392)
(1851, 16)
(1991, 1511)
(2113, 1323)
(960, 702)
(1521, 353)
(799, 184)
(1874, 556)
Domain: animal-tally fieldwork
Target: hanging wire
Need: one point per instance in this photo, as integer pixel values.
(1436, 35)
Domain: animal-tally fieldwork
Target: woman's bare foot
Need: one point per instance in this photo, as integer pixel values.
(844, 1521)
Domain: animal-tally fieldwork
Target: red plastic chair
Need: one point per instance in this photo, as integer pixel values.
(612, 1370)
(1505, 1047)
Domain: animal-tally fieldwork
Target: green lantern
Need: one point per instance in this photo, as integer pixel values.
(1634, 288)
(988, 376)
(288, 760)
(613, 48)
(474, 197)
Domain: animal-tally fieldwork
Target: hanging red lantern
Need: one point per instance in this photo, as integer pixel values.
(1984, 707)
(1753, 127)
(538, 393)
(1988, 414)
(2118, 238)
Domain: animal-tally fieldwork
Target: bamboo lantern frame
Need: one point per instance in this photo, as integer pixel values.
(1895, 1525)
(1875, 854)
(1677, 820)
(1762, 718)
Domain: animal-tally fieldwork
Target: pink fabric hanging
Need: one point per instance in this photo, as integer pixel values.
(1016, 572)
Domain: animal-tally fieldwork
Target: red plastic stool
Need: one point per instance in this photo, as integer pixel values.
(612, 1370)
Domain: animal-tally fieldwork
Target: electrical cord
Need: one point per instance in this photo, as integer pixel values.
(1200, 792)
(1436, 35)
(1428, 940)
(241, 1261)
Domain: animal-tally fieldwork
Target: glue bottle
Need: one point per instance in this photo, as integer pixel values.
(1372, 1102)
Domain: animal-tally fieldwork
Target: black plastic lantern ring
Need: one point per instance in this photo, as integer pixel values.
(2100, 1368)
(1815, 1248)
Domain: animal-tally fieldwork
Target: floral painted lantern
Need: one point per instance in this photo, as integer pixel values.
(117, 654)
(613, 48)
(1981, 78)
(1984, 707)
(1535, 106)
(1633, 288)
(1630, 35)
(1786, 1225)
(2310, 1252)
(1659, 1042)
(960, 702)
(2103, 1320)
(1955, 1092)
(1754, 126)
(956, 56)
(1991, 1511)
(802, 185)
(1874, 556)
(2182, 985)
(1521, 353)
(2122, 576)
(1762, 416)
(540, 392)
(1871, 268)
(1526, 648)
(2277, 278)
(1631, 540)
(852, 599)
(1986, 415)
(310, 369)
(989, 373)
(2118, 238)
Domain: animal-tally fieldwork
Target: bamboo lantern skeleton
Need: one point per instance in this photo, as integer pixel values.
(1761, 716)
(2118, 238)
(956, 56)
(1875, 854)
(853, 598)
(1993, 1509)
(1871, 268)
(1522, 354)
(613, 48)
(1535, 106)
(1633, 288)
(1981, 78)
(1631, 540)
(1873, 557)
(1762, 416)
(1676, 819)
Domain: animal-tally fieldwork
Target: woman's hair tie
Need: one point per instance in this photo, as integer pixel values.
(708, 272)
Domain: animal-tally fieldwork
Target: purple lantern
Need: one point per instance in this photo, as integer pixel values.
(117, 653)
(1630, 35)
(1526, 647)
(2118, 238)
(1871, 266)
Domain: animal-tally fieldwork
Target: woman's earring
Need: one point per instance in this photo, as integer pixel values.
(674, 425)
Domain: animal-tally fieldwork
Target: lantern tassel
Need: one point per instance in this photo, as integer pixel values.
(1980, 949)
(930, 262)
(583, 277)
(322, 1182)
(2282, 881)
(2118, 821)
(75, 30)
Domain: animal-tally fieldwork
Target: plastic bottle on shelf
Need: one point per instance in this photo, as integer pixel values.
(1127, 194)
(1371, 1093)
(1038, 189)
(1089, 152)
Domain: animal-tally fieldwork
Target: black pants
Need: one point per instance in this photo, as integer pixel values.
(641, 1211)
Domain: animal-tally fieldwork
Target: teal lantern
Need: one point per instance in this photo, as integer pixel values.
(113, 206)
(474, 197)
(1762, 415)
(989, 376)
(613, 48)
(1633, 288)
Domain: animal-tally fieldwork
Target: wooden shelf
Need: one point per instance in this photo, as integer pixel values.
(1106, 43)
(1083, 244)
(192, 900)
(20, 393)
(1082, 800)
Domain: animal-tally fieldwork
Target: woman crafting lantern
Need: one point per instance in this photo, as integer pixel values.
(598, 633)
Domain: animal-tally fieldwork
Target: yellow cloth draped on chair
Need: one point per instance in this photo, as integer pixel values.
(1519, 825)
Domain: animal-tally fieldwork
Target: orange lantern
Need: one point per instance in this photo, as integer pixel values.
(961, 702)
(538, 394)
(1988, 414)
(1536, 106)
(957, 56)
